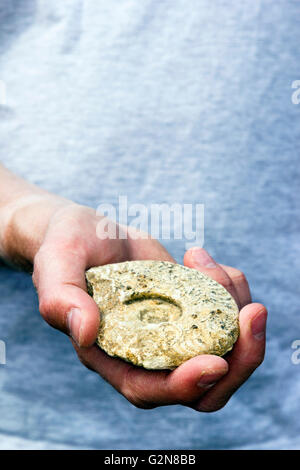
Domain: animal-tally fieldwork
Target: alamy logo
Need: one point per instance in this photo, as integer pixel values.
(2, 93)
(175, 221)
(296, 354)
(296, 95)
(2, 352)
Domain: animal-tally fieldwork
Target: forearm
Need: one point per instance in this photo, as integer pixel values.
(25, 210)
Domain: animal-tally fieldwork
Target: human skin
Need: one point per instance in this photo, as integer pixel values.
(55, 239)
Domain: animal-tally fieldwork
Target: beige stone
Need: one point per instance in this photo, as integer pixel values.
(159, 314)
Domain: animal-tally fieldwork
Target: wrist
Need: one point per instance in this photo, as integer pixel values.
(23, 224)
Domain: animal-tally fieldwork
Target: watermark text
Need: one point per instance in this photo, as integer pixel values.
(2, 352)
(295, 358)
(296, 95)
(3, 96)
(161, 221)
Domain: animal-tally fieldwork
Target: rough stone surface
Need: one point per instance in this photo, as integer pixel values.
(159, 314)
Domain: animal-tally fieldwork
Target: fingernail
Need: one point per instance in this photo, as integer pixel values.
(74, 323)
(202, 258)
(258, 326)
(208, 380)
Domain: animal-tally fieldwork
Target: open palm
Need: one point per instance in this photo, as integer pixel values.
(205, 382)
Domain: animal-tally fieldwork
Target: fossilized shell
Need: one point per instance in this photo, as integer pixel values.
(158, 314)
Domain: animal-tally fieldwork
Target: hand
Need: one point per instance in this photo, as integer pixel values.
(248, 352)
(70, 246)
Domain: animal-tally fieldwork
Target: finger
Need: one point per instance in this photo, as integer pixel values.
(198, 258)
(240, 283)
(147, 389)
(247, 355)
(59, 276)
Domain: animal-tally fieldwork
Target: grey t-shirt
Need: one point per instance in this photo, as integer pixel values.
(161, 101)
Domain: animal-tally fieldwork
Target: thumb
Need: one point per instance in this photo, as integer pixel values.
(59, 277)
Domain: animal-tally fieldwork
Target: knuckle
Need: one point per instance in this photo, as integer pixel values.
(240, 277)
(45, 308)
(36, 267)
(130, 394)
(75, 245)
(133, 394)
(211, 407)
(140, 403)
(85, 362)
(251, 363)
(38, 263)
(34, 279)
(257, 362)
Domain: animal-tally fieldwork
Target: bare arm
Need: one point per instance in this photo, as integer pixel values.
(25, 210)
